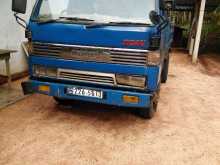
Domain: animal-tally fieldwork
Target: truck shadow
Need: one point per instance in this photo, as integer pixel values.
(91, 116)
(98, 111)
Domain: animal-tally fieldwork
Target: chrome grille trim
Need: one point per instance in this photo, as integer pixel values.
(97, 54)
(88, 77)
(92, 47)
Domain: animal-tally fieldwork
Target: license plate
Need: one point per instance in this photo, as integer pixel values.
(84, 92)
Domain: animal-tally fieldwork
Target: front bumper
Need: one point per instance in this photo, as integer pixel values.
(112, 97)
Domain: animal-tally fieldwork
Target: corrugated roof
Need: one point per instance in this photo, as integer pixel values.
(189, 4)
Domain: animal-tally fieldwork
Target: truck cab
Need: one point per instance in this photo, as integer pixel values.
(108, 52)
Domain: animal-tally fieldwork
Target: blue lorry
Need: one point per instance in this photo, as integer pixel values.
(112, 52)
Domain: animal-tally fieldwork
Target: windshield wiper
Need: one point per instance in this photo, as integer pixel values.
(45, 21)
(97, 25)
(130, 23)
(76, 19)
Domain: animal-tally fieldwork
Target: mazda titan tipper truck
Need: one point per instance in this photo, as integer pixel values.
(113, 52)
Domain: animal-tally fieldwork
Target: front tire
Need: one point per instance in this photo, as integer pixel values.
(61, 101)
(148, 113)
(164, 74)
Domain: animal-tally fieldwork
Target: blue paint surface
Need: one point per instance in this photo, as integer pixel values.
(107, 36)
(112, 97)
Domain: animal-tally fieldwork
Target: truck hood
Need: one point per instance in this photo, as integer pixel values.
(106, 36)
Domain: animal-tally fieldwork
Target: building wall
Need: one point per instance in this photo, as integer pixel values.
(11, 36)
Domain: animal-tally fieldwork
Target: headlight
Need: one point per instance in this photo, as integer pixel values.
(39, 70)
(154, 58)
(43, 71)
(51, 72)
(135, 81)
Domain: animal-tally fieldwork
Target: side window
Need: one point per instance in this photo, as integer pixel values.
(45, 10)
(53, 8)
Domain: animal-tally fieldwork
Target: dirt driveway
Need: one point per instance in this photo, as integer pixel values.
(186, 130)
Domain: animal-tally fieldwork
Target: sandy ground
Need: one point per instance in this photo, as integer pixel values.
(185, 131)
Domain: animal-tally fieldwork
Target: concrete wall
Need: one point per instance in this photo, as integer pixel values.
(11, 36)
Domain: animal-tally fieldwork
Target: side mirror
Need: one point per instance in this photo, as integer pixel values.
(19, 6)
(155, 18)
(158, 20)
(166, 5)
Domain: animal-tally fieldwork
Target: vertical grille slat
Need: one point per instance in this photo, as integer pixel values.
(129, 57)
(88, 77)
(126, 53)
(133, 59)
(87, 80)
(86, 53)
(46, 50)
(125, 63)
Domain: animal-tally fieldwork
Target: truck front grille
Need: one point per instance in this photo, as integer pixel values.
(88, 53)
(88, 77)
(46, 50)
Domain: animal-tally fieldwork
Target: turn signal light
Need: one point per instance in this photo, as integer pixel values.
(155, 43)
(131, 99)
(43, 71)
(154, 58)
(44, 88)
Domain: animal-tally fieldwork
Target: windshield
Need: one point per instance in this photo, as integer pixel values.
(136, 11)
